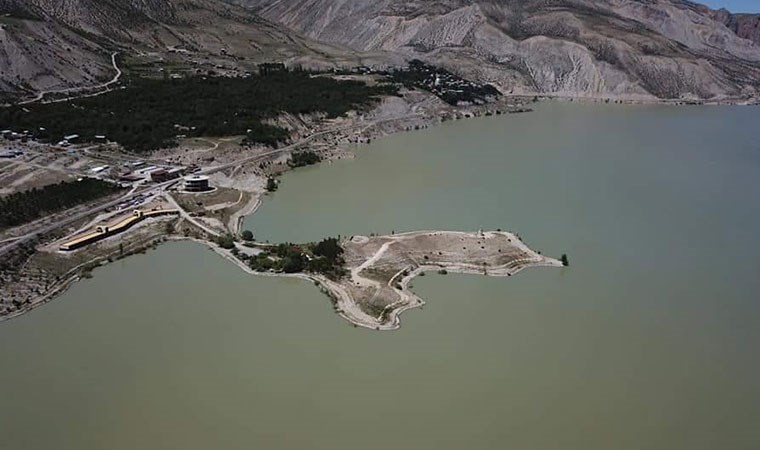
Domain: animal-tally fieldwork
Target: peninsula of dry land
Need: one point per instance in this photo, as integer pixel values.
(377, 291)
(372, 288)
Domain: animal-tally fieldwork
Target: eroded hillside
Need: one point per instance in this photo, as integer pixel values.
(48, 45)
(660, 48)
(670, 49)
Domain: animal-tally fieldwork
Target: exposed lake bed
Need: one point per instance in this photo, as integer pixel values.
(648, 341)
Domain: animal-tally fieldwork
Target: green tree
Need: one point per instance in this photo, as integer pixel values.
(329, 248)
(305, 158)
(247, 235)
(226, 241)
(293, 263)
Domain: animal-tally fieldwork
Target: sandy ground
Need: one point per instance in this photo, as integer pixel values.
(377, 291)
(381, 268)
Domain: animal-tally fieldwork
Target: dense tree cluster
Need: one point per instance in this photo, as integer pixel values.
(149, 114)
(226, 241)
(22, 207)
(292, 258)
(323, 258)
(447, 86)
(328, 259)
(329, 248)
(305, 158)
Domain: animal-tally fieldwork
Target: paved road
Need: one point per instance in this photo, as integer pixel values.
(261, 156)
(80, 216)
(188, 217)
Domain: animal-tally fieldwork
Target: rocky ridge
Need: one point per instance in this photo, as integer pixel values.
(667, 49)
(616, 49)
(746, 26)
(59, 44)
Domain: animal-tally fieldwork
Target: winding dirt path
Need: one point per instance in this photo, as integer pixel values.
(40, 95)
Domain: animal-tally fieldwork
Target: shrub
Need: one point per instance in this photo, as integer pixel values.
(226, 241)
(305, 158)
(329, 248)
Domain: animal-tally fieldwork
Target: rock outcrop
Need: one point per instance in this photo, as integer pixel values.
(746, 26)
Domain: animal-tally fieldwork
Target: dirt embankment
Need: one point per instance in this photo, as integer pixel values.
(377, 290)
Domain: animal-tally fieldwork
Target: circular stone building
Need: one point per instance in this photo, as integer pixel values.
(197, 183)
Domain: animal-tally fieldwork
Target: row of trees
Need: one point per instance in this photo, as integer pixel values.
(148, 114)
(22, 207)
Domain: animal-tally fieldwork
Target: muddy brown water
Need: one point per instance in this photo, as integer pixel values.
(648, 341)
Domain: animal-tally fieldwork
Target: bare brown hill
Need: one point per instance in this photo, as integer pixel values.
(646, 49)
(602, 48)
(49, 45)
(746, 26)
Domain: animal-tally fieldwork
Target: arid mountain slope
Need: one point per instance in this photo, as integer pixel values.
(600, 48)
(58, 44)
(660, 48)
(744, 25)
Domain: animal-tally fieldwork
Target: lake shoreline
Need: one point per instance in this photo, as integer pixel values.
(375, 130)
(343, 294)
